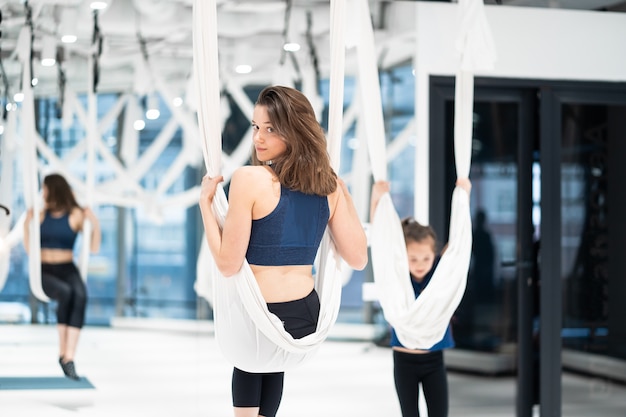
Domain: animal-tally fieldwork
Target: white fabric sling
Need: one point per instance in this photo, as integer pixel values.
(7, 147)
(31, 187)
(250, 337)
(92, 133)
(422, 322)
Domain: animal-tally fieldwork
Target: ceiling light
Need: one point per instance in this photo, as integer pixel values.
(69, 38)
(18, 97)
(48, 51)
(152, 111)
(291, 47)
(67, 26)
(99, 5)
(243, 69)
(177, 102)
(152, 114)
(139, 124)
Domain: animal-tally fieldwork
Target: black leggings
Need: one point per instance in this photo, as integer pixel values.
(411, 369)
(265, 390)
(63, 283)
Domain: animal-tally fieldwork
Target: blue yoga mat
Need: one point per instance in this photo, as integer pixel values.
(43, 382)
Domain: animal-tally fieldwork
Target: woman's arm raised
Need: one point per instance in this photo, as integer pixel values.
(26, 237)
(229, 245)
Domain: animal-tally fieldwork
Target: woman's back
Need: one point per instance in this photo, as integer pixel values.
(286, 228)
(58, 234)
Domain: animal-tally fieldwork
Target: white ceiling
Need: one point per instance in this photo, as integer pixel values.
(250, 32)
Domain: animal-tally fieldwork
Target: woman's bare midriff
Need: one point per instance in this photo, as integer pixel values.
(413, 351)
(283, 283)
(56, 256)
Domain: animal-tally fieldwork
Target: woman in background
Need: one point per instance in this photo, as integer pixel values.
(61, 221)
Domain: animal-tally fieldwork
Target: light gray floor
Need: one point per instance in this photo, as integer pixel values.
(160, 372)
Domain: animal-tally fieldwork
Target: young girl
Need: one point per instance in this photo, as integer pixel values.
(61, 221)
(413, 367)
(279, 208)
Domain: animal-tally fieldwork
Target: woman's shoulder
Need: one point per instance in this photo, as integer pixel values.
(251, 189)
(249, 170)
(76, 218)
(253, 181)
(252, 175)
(76, 211)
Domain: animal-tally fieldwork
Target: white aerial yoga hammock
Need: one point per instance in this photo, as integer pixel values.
(250, 337)
(92, 133)
(7, 147)
(422, 322)
(31, 186)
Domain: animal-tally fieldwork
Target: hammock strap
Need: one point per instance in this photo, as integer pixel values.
(31, 185)
(6, 191)
(92, 137)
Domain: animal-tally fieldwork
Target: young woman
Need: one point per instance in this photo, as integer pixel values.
(279, 208)
(61, 221)
(415, 367)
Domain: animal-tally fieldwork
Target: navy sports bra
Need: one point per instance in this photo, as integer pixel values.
(56, 232)
(291, 233)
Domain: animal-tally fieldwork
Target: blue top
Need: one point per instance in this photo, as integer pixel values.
(447, 341)
(56, 232)
(291, 233)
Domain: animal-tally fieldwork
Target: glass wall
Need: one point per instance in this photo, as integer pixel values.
(592, 181)
(546, 274)
(146, 266)
(486, 318)
(148, 254)
(397, 96)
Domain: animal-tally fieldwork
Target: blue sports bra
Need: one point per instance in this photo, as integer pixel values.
(56, 232)
(291, 233)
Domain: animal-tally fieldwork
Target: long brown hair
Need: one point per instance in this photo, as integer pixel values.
(60, 195)
(305, 165)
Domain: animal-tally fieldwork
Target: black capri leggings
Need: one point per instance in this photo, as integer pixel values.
(63, 283)
(265, 390)
(411, 369)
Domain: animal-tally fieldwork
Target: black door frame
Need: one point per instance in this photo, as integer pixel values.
(442, 90)
(551, 94)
